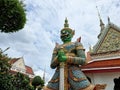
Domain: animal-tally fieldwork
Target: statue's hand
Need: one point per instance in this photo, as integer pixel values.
(61, 56)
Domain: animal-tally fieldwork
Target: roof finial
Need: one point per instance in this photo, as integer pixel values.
(66, 23)
(90, 48)
(108, 19)
(101, 22)
(44, 75)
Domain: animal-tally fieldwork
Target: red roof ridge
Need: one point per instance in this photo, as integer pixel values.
(13, 60)
(29, 70)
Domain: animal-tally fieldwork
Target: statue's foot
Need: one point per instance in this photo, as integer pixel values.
(100, 87)
(90, 87)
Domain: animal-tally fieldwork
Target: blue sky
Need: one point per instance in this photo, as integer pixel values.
(45, 19)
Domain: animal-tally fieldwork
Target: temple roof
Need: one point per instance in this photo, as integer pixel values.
(13, 60)
(109, 39)
(28, 69)
(103, 63)
(111, 65)
(105, 56)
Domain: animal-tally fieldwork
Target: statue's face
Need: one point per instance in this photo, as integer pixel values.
(66, 35)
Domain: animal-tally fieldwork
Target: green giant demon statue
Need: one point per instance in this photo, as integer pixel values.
(66, 59)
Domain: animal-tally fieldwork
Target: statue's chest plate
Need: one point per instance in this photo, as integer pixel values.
(69, 47)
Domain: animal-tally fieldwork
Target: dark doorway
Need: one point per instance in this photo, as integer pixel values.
(117, 83)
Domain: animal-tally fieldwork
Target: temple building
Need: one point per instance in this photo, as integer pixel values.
(18, 65)
(104, 59)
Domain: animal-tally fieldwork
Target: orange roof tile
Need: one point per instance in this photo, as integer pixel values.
(29, 70)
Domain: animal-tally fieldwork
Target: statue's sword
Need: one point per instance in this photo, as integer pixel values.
(61, 82)
(61, 78)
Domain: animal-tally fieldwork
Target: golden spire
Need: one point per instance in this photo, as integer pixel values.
(66, 23)
(101, 22)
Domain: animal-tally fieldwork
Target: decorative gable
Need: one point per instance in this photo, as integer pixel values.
(109, 40)
(19, 65)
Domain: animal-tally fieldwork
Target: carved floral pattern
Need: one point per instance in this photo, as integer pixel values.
(111, 41)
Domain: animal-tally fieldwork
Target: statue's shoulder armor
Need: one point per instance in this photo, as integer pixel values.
(79, 45)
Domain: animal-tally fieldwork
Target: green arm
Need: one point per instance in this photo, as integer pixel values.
(80, 57)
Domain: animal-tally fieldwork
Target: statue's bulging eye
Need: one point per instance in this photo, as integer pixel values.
(67, 32)
(63, 32)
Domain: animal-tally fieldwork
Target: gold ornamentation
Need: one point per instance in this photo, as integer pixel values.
(79, 47)
(56, 80)
(62, 65)
(100, 86)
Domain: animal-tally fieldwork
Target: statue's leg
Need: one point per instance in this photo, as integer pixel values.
(53, 84)
(78, 80)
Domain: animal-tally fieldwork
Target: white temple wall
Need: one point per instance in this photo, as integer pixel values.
(104, 78)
